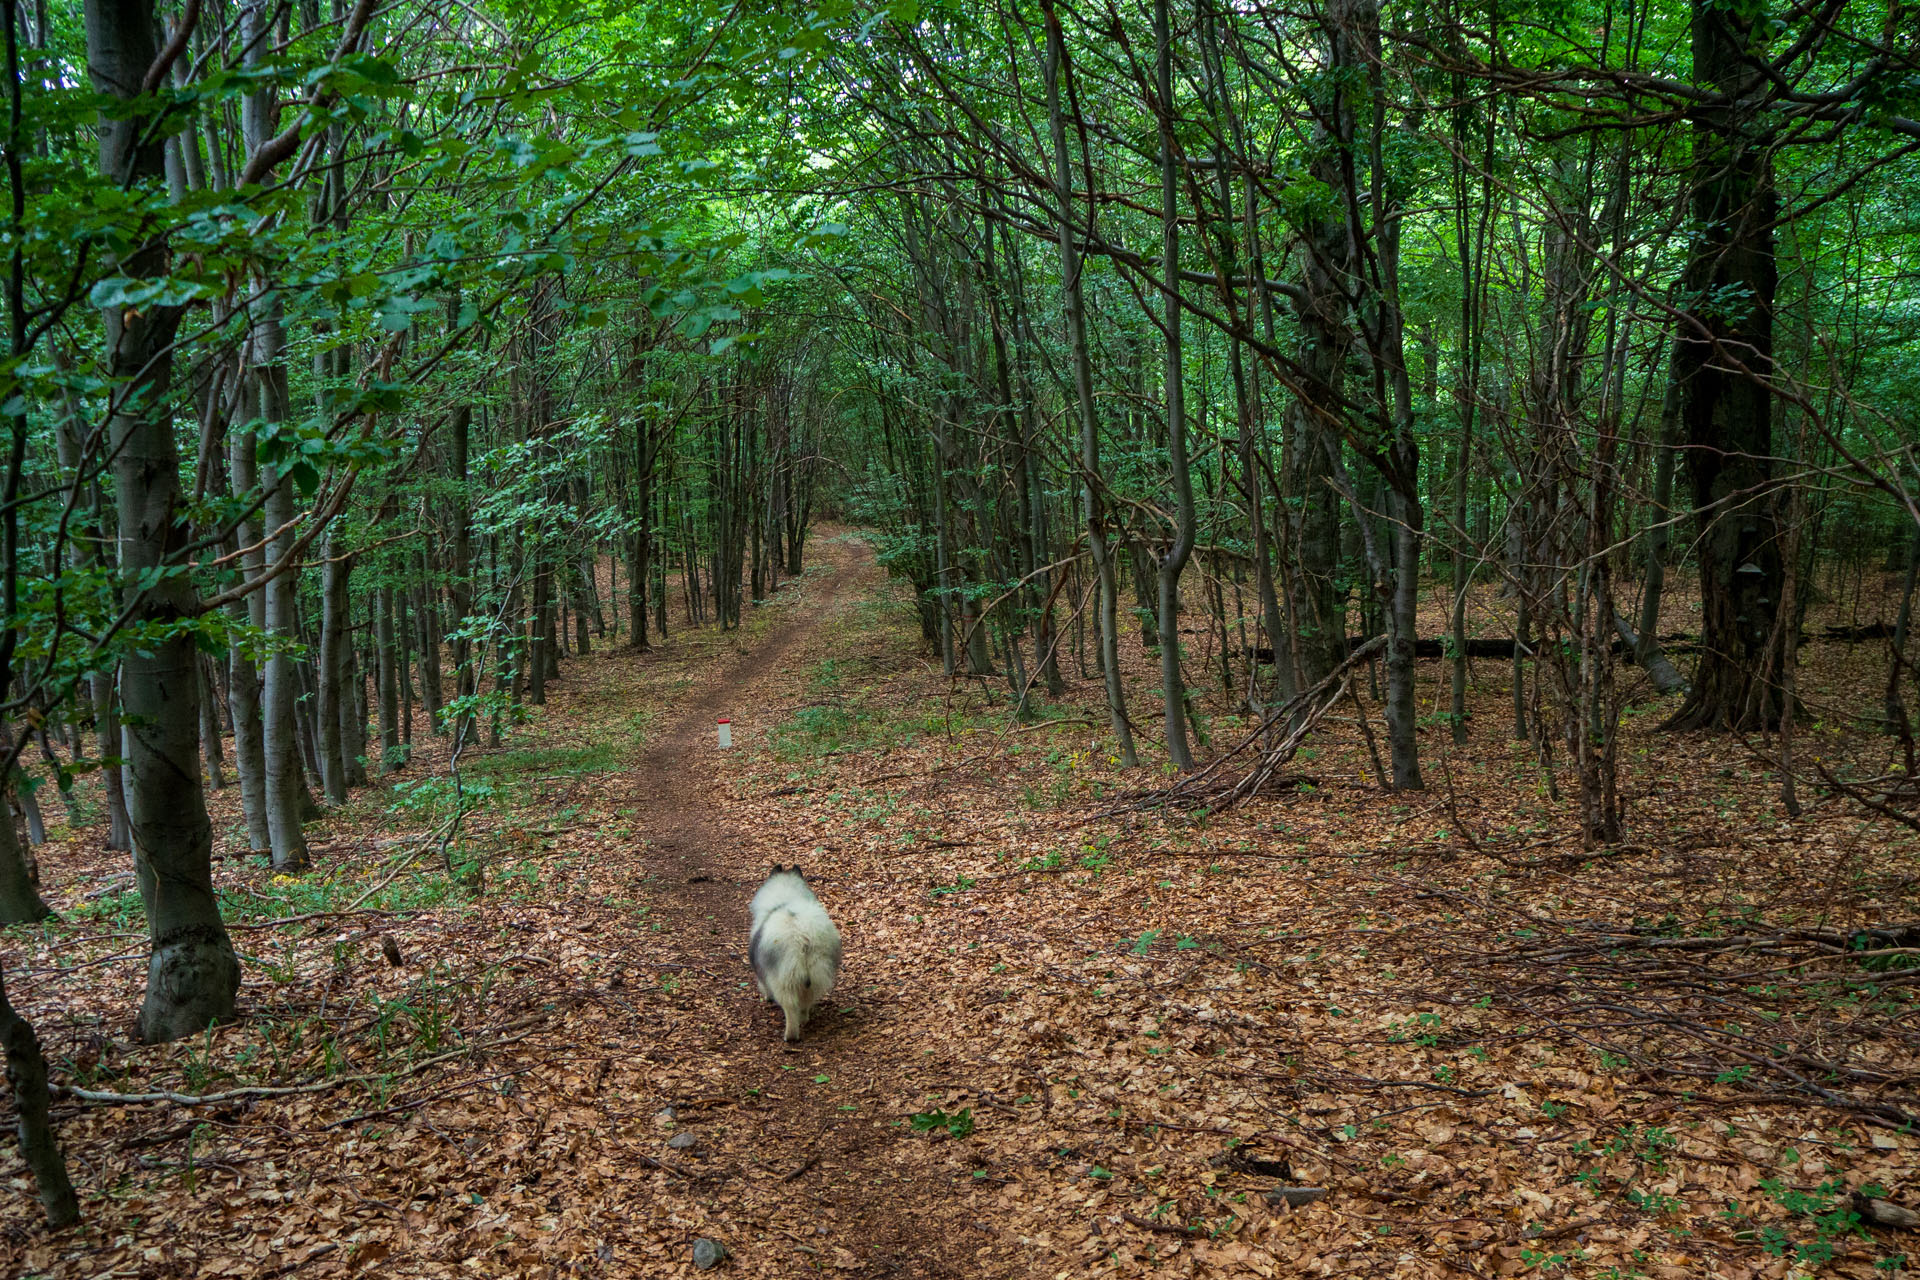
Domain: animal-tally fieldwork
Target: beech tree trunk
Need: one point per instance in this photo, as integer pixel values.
(426, 607)
(243, 677)
(335, 647)
(286, 785)
(1093, 506)
(210, 725)
(192, 973)
(20, 901)
(387, 663)
(460, 580)
(27, 1076)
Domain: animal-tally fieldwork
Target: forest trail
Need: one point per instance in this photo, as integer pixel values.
(789, 1162)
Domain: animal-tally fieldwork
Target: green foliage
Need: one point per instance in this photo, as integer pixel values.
(957, 1125)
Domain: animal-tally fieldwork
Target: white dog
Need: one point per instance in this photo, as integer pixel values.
(794, 948)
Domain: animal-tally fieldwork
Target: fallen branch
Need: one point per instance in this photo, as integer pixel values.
(254, 1092)
(283, 921)
(1212, 788)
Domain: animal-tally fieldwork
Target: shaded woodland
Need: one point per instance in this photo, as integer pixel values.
(1445, 390)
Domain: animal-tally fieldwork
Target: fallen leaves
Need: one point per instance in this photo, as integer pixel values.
(1318, 1035)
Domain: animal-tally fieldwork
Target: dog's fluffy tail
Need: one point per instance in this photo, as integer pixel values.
(796, 958)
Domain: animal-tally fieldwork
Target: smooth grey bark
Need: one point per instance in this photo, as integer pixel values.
(387, 664)
(1173, 561)
(1665, 676)
(285, 783)
(259, 117)
(1093, 508)
(335, 646)
(243, 676)
(539, 645)
(460, 576)
(18, 788)
(27, 1075)
(210, 726)
(353, 715)
(106, 723)
(403, 654)
(426, 608)
(20, 901)
(192, 973)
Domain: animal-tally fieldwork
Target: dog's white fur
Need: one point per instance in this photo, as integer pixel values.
(794, 948)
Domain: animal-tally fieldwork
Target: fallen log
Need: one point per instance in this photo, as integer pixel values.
(1678, 641)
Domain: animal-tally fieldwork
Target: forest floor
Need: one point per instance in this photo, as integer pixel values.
(1073, 1036)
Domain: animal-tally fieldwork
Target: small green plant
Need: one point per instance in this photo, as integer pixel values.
(1654, 1202)
(957, 1125)
(1546, 1263)
(1828, 1209)
(1424, 1031)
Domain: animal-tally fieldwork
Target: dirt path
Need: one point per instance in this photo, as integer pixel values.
(791, 1154)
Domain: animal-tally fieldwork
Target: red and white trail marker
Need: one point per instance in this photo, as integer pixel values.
(725, 726)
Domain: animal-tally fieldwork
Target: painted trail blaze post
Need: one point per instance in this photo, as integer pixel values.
(725, 727)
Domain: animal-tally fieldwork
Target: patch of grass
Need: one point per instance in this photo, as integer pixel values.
(640, 724)
(119, 910)
(531, 762)
(284, 896)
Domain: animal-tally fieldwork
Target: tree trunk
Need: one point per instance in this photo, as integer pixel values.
(1724, 354)
(403, 664)
(259, 121)
(460, 581)
(1900, 664)
(640, 565)
(1093, 505)
(426, 607)
(106, 722)
(539, 631)
(353, 712)
(243, 677)
(1317, 634)
(286, 786)
(27, 1075)
(335, 647)
(387, 666)
(20, 901)
(192, 973)
(1173, 692)
(210, 725)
